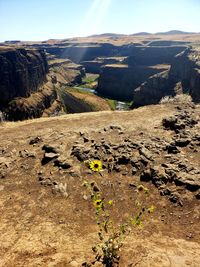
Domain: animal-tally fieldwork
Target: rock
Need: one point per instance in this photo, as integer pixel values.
(63, 163)
(51, 148)
(182, 142)
(61, 189)
(22, 72)
(165, 192)
(134, 171)
(175, 198)
(48, 157)
(191, 183)
(197, 194)
(2, 174)
(24, 90)
(170, 122)
(123, 160)
(45, 181)
(81, 153)
(172, 149)
(146, 175)
(35, 140)
(27, 154)
(144, 160)
(146, 153)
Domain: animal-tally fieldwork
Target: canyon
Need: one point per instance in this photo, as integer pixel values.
(139, 69)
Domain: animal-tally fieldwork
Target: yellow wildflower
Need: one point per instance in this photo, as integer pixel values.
(96, 165)
(151, 209)
(110, 202)
(97, 203)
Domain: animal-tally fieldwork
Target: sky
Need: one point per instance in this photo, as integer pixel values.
(37, 20)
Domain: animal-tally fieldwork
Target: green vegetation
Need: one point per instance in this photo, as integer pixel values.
(61, 94)
(78, 90)
(112, 103)
(89, 81)
(90, 78)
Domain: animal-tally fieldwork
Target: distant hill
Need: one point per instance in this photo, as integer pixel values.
(173, 32)
(109, 35)
(118, 35)
(141, 33)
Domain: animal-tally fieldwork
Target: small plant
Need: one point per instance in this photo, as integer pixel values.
(110, 235)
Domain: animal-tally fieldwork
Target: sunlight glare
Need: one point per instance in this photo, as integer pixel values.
(93, 19)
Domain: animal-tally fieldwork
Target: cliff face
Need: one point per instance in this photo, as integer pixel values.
(35, 106)
(119, 81)
(22, 72)
(141, 63)
(153, 55)
(151, 91)
(25, 89)
(185, 71)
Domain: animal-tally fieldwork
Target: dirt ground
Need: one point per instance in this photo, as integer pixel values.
(40, 226)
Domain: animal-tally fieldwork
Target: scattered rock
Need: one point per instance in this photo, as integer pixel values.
(35, 140)
(63, 163)
(182, 142)
(27, 154)
(51, 148)
(146, 153)
(60, 188)
(48, 157)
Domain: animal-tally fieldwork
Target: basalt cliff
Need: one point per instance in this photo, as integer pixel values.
(182, 77)
(25, 91)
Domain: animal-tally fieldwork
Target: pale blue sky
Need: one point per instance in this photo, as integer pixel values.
(45, 19)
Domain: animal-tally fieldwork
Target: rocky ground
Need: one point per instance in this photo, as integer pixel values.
(47, 218)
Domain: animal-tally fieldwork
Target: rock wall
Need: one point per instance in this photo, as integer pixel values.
(22, 72)
(22, 108)
(153, 55)
(151, 91)
(119, 81)
(184, 71)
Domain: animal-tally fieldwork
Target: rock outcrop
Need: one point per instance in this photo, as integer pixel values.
(26, 91)
(184, 72)
(22, 72)
(23, 108)
(186, 69)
